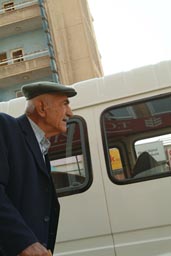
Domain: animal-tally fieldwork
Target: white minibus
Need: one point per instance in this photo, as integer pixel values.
(112, 170)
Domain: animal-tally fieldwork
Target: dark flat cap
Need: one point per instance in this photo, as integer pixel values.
(35, 89)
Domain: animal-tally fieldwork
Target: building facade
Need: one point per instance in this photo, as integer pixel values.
(49, 40)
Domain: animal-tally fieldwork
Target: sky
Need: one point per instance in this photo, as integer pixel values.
(131, 33)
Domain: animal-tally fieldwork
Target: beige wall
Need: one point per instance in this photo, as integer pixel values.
(75, 45)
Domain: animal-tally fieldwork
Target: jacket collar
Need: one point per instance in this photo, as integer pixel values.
(32, 142)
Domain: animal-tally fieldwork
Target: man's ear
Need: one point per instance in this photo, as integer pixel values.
(40, 108)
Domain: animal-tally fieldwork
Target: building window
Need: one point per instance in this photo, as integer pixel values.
(3, 59)
(70, 159)
(19, 94)
(9, 6)
(17, 55)
(137, 140)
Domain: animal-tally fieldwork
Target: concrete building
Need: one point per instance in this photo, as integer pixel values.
(49, 40)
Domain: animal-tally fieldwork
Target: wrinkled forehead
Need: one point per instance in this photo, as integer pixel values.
(55, 98)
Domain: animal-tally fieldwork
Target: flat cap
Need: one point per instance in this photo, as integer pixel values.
(38, 88)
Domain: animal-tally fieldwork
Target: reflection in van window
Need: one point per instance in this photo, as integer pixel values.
(70, 159)
(137, 140)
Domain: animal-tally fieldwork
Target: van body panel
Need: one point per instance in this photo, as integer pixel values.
(96, 246)
(109, 219)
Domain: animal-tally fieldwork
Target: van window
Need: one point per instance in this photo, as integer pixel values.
(70, 159)
(137, 140)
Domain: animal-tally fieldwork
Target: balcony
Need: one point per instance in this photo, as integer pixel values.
(26, 67)
(20, 18)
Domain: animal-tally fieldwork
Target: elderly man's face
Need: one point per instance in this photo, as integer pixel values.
(57, 112)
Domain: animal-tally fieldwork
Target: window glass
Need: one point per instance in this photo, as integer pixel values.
(3, 59)
(153, 156)
(116, 163)
(137, 144)
(17, 55)
(70, 159)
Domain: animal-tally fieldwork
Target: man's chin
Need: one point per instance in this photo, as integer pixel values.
(63, 130)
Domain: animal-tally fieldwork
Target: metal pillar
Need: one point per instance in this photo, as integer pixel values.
(49, 41)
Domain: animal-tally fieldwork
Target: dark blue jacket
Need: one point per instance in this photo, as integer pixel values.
(29, 209)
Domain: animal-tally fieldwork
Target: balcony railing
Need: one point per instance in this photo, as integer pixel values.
(18, 6)
(24, 57)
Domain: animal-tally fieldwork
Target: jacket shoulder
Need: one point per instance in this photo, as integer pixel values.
(7, 121)
(6, 117)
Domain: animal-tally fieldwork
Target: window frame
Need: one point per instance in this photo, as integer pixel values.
(18, 59)
(11, 6)
(67, 191)
(106, 149)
